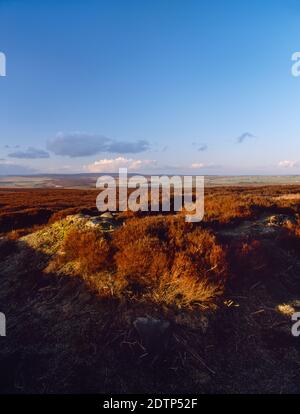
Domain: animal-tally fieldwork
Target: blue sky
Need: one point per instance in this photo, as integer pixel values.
(171, 86)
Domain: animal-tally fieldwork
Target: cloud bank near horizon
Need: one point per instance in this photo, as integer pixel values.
(288, 164)
(10, 168)
(113, 165)
(30, 153)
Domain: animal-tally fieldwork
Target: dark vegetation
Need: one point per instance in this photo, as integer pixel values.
(219, 283)
(23, 209)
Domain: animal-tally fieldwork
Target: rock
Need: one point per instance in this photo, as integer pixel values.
(279, 220)
(93, 222)
(107, 215)
(98, 222)
(154, 333)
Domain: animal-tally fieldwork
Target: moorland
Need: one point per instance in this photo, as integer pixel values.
(145, 302)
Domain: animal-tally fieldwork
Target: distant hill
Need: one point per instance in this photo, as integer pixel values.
(89, 180)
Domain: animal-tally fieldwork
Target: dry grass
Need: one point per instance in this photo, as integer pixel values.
(186, 291)
(162, 259)
(89, 248)
(290, 237)
(159, 255)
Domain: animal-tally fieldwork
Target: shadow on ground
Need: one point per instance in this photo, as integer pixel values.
(63, 338)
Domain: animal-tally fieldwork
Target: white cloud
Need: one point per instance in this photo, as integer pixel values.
(113, 165)
(288, 164)
(197, 165)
